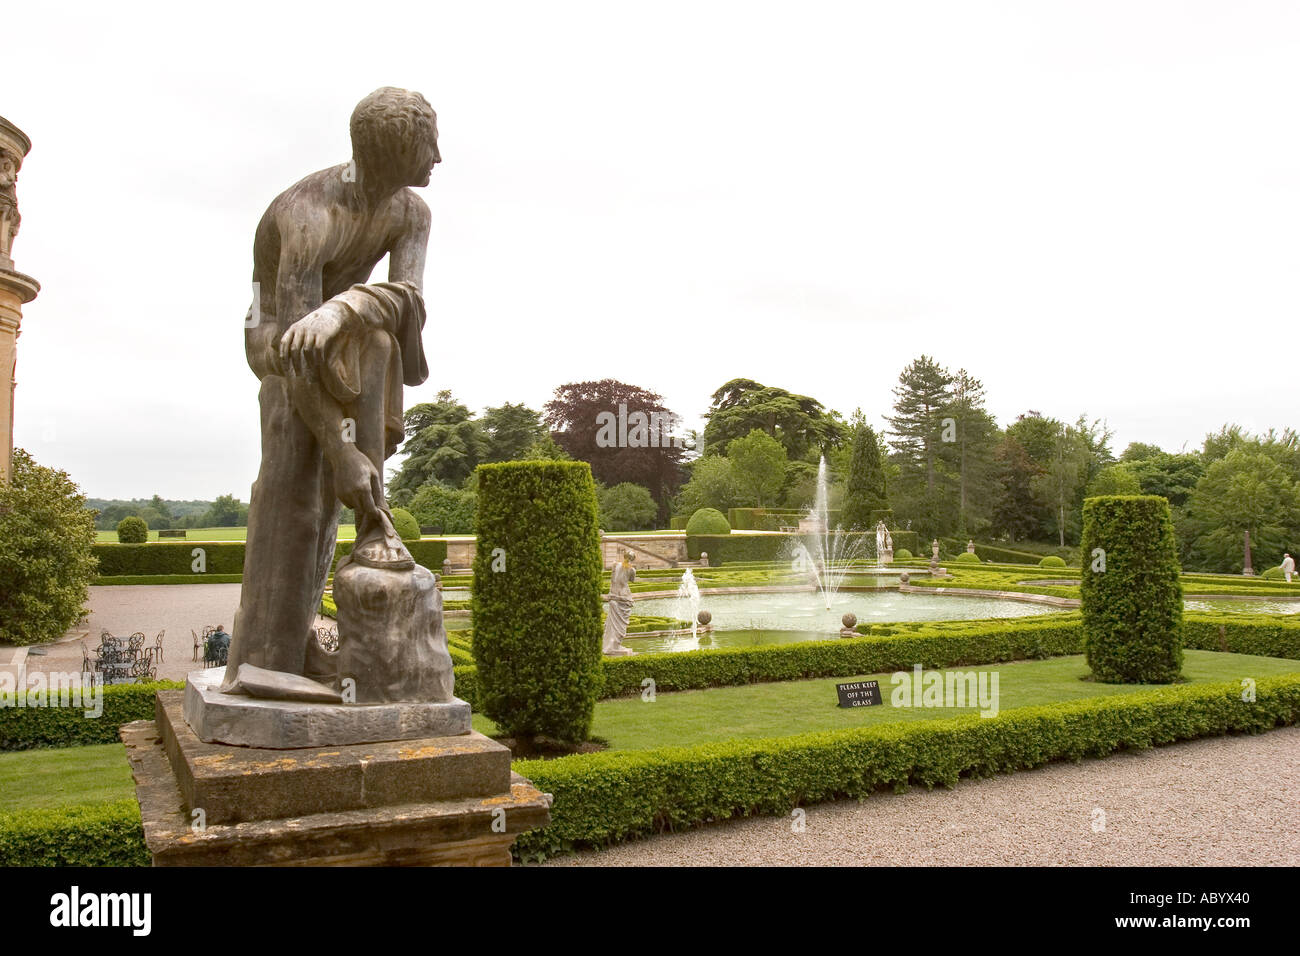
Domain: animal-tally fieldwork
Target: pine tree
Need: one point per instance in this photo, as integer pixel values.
(865, 490)
(971, 451)
(924, 492)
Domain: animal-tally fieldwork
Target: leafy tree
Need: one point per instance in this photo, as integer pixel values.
(509, 431)
(1063, 477)
(1113, 480)
(865, 489)
(443, 443)
(544, 449)
(626, 507)
(758, 462)
(1171, 476)
(801, 424)
(451, 509)
(1140, 451)
(713, 484)
(1244, 491)
(1014, 509)
(46, 562)
(225, 512)
(646, 455)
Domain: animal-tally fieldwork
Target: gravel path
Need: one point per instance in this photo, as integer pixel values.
(124, 609)
(1227, 801)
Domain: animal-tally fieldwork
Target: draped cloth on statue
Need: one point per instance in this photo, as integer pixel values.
(398, 309)
(293, 512)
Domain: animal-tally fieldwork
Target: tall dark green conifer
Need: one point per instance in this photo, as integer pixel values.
(865, 490)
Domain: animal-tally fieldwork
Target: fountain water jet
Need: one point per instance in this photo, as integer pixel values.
(827, 554)
(688, 600)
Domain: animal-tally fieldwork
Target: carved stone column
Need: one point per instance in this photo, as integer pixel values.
(16, 289)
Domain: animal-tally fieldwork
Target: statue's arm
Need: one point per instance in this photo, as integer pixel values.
(410, 247)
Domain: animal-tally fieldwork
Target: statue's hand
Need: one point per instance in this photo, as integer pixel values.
(302, 348)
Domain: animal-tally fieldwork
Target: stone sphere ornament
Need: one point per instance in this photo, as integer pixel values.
(850, 621)
(704, 617)
(904, 578)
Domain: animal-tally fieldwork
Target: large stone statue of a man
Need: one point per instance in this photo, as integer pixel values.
(332, 354)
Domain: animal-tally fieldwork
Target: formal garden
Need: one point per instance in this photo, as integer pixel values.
(734, 713)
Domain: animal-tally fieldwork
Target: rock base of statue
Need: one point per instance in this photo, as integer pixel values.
(269, 724)
(434, 801)
(392, 645)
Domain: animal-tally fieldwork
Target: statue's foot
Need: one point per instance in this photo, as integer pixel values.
(383, 550)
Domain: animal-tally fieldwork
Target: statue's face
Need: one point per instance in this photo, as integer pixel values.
(425, 157)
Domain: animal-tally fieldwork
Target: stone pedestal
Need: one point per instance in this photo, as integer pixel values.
(287, 724)
(434, 801)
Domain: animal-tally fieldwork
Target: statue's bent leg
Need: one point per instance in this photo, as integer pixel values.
(292, 528)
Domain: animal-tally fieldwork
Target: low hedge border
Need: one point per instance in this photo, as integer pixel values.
(93, 834)
(603, 798)
(175, 558)
(27, 728)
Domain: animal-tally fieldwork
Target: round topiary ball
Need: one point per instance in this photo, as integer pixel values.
(967, 557)
(708, 521)
(902, 554)
(850, 621)
(1051, 561)
(704, 617)
(408, 529)
(132, 530)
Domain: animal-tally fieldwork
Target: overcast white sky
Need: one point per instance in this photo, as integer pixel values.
(1091, 206)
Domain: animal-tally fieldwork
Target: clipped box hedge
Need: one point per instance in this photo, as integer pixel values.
(220, 557)
(536, 599)
(28, 728)
(1133, 602)
(603, 798)
(96, 834)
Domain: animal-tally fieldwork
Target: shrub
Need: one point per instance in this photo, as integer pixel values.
(46, 562)
(1133, 609)
(1051, 561)
(603, 798)
(902, 554)
(100, 834)
(537, 613)
(33, 727)
(408, 529)
(132, 530)
(1274, 574)
(626, 507)
(967, 557)
(708, 521)
(451, 509)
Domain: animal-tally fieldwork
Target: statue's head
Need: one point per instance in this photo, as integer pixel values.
(395, 137)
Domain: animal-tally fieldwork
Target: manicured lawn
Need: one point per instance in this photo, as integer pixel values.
(49, 778)
(687, 718)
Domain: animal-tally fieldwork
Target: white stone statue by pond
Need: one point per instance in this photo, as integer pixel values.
(618, 610)
(884, 544)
